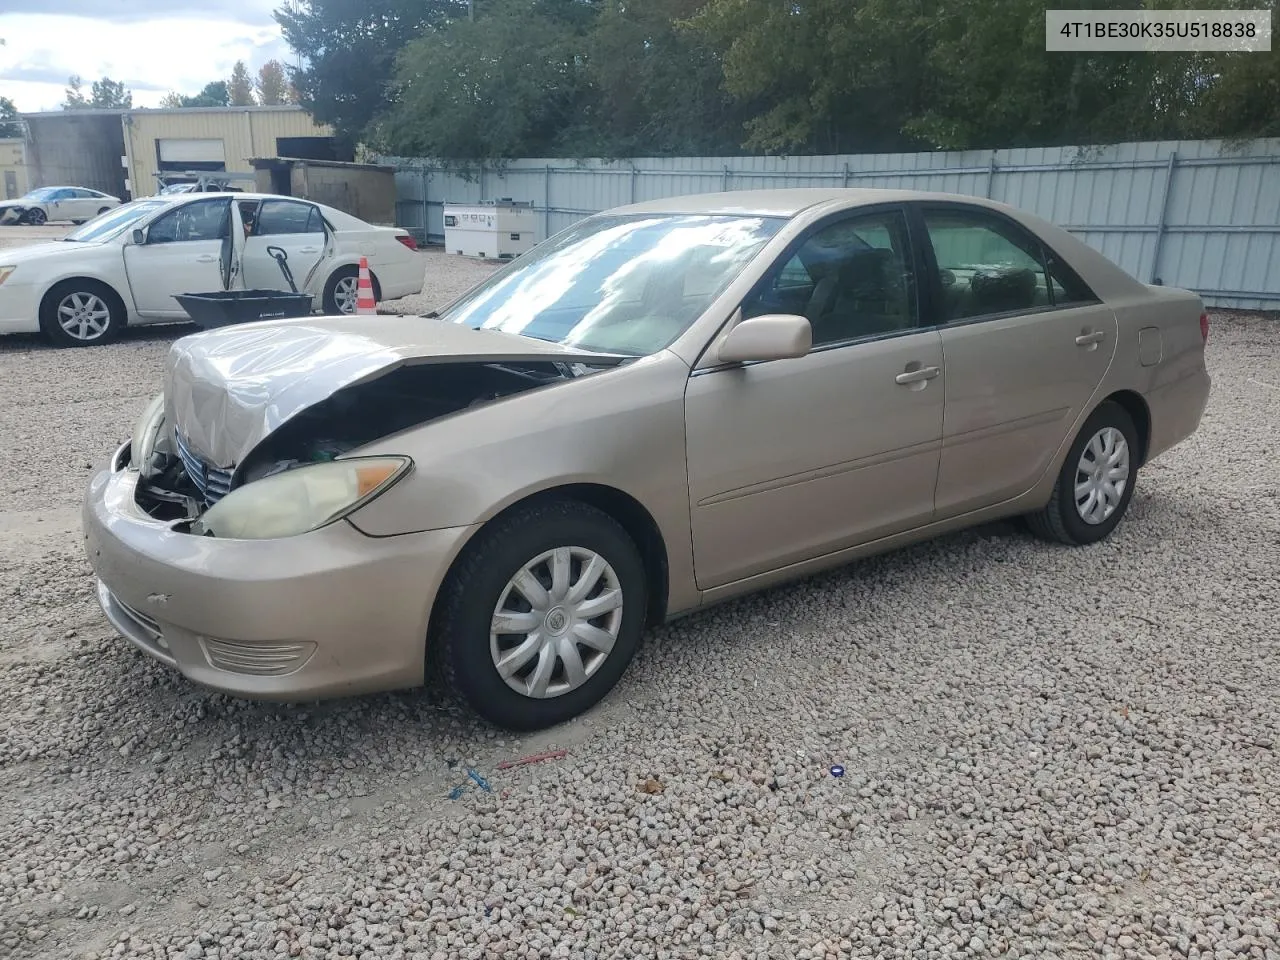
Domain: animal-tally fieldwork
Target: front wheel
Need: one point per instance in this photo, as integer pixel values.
(1096, 482)
(81, 313)
(35, 217)
(541, 615)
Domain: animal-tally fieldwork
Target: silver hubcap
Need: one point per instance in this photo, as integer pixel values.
(344, 294)
(1102, 475)
(84, 316)
(556, 622)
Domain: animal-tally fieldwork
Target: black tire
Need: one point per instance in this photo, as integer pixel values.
(35, 217)
(60, 292)
(478, 582)
(103, 210)
(77, 222)
(329, 300)
(1060, 520)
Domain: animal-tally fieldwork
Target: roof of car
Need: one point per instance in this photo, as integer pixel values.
(786, 202)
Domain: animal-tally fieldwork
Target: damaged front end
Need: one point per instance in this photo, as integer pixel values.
(249, 409)
(12, 214)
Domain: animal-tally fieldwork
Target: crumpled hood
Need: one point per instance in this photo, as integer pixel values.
(227, 389)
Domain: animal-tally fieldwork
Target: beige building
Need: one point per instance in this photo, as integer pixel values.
(15, 179)
(216, 139)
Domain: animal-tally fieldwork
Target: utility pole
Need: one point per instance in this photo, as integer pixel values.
(471, 9)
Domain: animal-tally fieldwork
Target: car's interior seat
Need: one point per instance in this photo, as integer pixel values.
(869, 297)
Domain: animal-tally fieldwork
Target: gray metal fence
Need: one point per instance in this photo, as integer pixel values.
(1197, 214)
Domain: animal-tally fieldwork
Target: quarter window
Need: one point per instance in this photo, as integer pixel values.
(851, 279)
(987, 266)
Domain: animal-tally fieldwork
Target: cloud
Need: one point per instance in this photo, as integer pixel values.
(150, 56)
(114, 11)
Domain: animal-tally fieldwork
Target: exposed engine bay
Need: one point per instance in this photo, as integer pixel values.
(178, 484)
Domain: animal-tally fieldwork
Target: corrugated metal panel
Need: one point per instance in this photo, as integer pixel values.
(1193, 214)
(245, 134)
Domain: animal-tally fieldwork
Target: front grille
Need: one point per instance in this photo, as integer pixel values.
(214, 483)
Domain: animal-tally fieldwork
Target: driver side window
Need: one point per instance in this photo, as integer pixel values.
(202, 220)
(851, 279)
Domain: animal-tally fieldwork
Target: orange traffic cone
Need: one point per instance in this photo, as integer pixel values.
(364, 290)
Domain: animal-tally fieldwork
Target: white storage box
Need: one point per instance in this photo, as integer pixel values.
(497, 230)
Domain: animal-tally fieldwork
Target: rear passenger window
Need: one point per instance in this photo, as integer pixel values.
(287, 216)
(988, 266)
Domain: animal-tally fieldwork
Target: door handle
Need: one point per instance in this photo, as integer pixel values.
(207, 258)
(309, 250)
(1090, 339)
(919, 375)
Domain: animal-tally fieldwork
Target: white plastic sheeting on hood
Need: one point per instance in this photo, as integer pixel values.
(227, 389)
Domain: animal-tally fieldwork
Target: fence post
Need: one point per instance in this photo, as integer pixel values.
(635, 175)
(724, 182)
(846, 173)
(1164, 215)
(991, 174)
(482, 181)
(546, 202)
(426, 208)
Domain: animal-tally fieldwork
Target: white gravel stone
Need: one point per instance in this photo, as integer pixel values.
(1048, 752)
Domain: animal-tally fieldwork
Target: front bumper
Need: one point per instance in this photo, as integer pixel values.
(19, 307)
(329, 613)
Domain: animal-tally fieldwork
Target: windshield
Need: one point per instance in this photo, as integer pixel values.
(112, 224)
(617, 284)
(41, 195)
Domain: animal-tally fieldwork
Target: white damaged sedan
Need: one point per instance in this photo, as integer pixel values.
(129, 265)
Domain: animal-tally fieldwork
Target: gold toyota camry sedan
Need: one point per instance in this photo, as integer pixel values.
(663, 406)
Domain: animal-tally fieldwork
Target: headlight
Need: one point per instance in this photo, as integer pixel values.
(145, 433)
(300, 500)
(4, 273)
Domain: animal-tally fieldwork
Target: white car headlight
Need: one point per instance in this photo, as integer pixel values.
(145, 433)
(300, 500)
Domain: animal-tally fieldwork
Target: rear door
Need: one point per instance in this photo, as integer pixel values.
(1025, 342)
(187, 250)
(291, 227)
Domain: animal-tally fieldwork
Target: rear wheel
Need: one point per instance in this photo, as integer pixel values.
(1096, 483)
(341, 292)
(541, 615)
(103, 210)
(35, 217)
(81, 313)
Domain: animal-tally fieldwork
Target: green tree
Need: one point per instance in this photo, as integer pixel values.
(350, 49)
(656, 88)
(171, 100)
(273, 86)
(509, 83)
(215, 94)
(10, 119)
(110, 94)
(240, 86)
(74, 98)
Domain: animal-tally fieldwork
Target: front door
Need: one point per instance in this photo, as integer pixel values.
(1026, 344)
(186, 251)
(793, 459)
(289, 226)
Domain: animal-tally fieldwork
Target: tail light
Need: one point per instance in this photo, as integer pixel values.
(407, 240)
(1204, 327)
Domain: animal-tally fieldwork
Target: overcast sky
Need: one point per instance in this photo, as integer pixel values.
(152, 45)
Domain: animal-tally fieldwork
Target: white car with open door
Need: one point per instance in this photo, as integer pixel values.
(128, 265)
(54, 204)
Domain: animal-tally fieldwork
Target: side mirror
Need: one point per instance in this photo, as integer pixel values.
(775, 336)
(139, 237)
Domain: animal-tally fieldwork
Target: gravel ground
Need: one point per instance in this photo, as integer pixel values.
(1048, 752)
